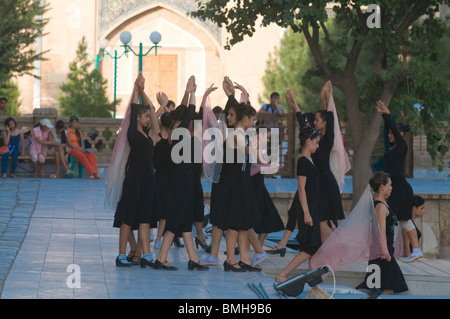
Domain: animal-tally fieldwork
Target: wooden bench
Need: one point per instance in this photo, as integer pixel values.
(52, 158)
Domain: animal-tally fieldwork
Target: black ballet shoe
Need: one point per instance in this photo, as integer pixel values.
(201, 243)
(160, 265)
(281, 251)
(145, 262)
(228, 267)
(249, 267)
(122, 263)
(196, 265)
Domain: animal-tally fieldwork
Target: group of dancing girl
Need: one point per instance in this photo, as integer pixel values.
(156, 192)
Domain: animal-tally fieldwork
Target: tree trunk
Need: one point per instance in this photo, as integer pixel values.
(364, 140)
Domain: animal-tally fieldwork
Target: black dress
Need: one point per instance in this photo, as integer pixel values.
(140, 200)
(330, 204)
(308, 236)
(401, 199)
(269, 219)
(163, 167)
(180, 195)
(234, 203)
(391, 275)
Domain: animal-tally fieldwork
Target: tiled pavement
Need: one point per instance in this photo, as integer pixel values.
(53, 224)
(47, 226)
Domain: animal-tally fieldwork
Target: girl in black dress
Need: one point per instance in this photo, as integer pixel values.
(280, 247)
(391, 277)
(305, 203)
(179, 200)
(269, 220)
(330, 205)
(401, 198)
(139, 200)
(163, 169)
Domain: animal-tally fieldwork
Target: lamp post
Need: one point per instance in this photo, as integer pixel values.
(155, 38)
(104, 43)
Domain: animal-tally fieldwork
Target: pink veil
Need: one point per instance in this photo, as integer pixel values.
(358, 239)
(339, 162)
(116, 169)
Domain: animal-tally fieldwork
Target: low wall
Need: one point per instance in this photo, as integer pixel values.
(434, 224)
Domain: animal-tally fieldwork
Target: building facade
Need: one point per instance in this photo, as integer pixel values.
(188, 47)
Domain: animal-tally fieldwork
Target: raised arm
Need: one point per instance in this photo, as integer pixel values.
(293, 105)
(328, 90)
(162, 99)
(154, 128)
(390, 125)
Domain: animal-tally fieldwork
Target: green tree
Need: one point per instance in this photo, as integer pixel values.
(84, 92)
(403, 24)
(21, 24)
(10, 90)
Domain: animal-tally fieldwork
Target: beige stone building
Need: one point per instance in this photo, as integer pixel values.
(188, 47)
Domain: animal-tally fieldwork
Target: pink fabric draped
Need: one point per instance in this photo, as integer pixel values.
(358, 239)
(116, 170)
(339, 162)
(211, 167)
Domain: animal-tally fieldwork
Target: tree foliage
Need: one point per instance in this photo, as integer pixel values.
(21, 24)
(10, 90)
(84, 92)
(410, 30)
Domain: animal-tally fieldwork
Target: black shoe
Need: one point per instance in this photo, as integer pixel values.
(160, 265)
(228, 267)
(249, 267)
(281, 251)
(201, 243)
(208, 249)
(122, 263)
(135, 262)
(196, 265)
(236, 251)
(145, 262)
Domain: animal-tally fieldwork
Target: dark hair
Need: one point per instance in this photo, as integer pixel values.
(323, 114)
(166, 120)
(179, 113)
(249, 110)
(402, 127)
(141, 109)
(309, 118)
(418, 201)
(3, 99)
(77, 131)
(61, 125)
(307, 133)
(217, 109)
(380, 178)
(273, 94)
(241, 111)
(170, 103)
(9, 119)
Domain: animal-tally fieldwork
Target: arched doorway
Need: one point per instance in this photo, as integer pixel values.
(187, 49)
